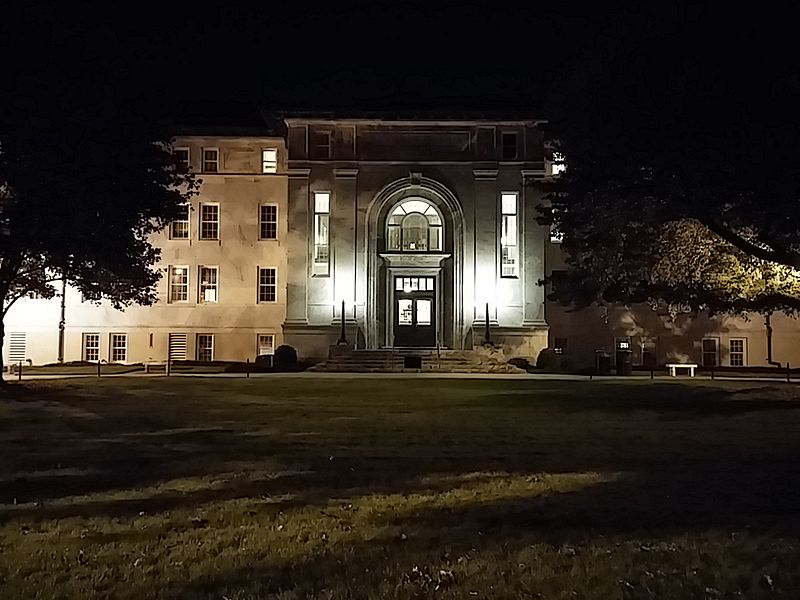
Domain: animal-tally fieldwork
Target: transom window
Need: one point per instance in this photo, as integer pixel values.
(414, 226)
(413, 284)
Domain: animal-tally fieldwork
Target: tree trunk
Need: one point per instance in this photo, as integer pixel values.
(2, 339)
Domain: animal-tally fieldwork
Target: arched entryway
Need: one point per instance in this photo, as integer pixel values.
(415, 241)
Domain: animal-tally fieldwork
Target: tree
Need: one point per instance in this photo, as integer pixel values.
(86, 176)
(682, 182)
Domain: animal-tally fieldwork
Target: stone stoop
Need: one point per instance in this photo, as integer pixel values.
(400, 360)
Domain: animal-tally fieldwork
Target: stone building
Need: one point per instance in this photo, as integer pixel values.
(416, 229)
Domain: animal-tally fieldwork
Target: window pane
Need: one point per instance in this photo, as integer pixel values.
(393, 241)
(423, 312)
(509, 204)
(321, 202)
(405, 311)
(435, 234)
(415, 232)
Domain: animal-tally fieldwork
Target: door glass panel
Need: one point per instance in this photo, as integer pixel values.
(423, 312)
(404, 311)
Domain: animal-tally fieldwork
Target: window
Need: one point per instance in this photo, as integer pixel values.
(119, 347)
(179, 228)
(414, 284)
(509, 250)
(268, 222)
(209, 284)
(321, 144)
(210, 160)
(182, 155)
(177, 346)
(736, 350)
(414, 226)
(91, 347)
(178, 284)
(209, 221)
(321, 234)
(205, 347)
(559, 163)
(508, 142)
(267, 284)
(266, 344)
(269, 160)
(560, 345)
(710, 352)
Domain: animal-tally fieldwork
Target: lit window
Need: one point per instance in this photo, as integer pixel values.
(414, 226)
(119, 347)
(205, 347)
(269, 160)
(91, 347)
(178, 284)
(266, 344)
(736, 352)
(321, 234)
(210, 160)
(560, 345)
(182, 155)
(267, 284)
(508, 235)
(559, 163)
(321, 144)
(508, 142)
(710, 352)
(179, 228)
(209, 284)
(209, 221)
(268, 222)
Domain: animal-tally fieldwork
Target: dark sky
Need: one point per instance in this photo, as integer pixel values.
(190, 61)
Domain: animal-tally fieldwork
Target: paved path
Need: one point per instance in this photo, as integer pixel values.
(321, 375)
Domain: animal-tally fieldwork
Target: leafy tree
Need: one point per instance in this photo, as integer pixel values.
(682, 182)
(86, 176)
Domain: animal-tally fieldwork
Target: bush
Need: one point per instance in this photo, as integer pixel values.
(285, 358)
(548, 360)
(521, 363)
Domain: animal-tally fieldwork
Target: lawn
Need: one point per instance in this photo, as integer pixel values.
(293, 488)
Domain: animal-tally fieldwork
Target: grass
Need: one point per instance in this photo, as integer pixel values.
(292, 488)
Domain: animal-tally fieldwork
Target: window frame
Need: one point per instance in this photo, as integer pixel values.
(188, 162)
(85, 348)
(201, 222)
(742, 354)
(266, 286)
(503, 136)
(262, 222)
(198, 348)
(258, 344)
(187, 221)
(202, 287)
(321, 268)
(505, 237)
(314, 147)
(112, 347)
(206, 162)
(170, 272)
(269, 167)
(703, 352)
(399, 227)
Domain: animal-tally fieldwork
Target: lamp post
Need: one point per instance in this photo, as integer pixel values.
(342, 341)
(487, 336)
(62, 323)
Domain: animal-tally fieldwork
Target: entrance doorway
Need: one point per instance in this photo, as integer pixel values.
(415, 311)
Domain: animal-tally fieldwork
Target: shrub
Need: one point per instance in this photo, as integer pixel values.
(548, 360)
(285, 358)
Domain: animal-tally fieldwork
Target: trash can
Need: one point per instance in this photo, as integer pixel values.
(624, 362)
(602, 362)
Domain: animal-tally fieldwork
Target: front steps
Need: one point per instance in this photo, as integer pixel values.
(415, 360)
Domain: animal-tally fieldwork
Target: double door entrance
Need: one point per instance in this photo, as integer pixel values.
(414, 311)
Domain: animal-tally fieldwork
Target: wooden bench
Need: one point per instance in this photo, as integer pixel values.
(673, 367)
(155, 363)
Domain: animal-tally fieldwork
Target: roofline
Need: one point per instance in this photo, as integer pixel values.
(411, 121)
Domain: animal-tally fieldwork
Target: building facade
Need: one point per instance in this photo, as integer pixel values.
(416, 231)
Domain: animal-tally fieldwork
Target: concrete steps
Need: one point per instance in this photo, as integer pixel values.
(414, 360)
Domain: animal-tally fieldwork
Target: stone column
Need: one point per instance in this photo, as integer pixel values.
(485, 227)
(535, 239)
(344, 238)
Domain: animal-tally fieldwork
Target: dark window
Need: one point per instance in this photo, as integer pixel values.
(509, 144)
(321, 144)
(269, 222)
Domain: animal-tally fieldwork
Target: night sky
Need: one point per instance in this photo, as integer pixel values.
(197, 64)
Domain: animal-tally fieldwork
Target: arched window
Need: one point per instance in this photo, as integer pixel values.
(414, 226)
